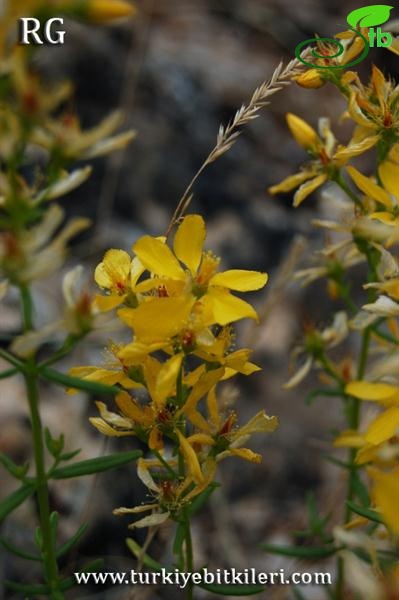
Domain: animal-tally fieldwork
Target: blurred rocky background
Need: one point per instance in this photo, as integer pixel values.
(178, 70)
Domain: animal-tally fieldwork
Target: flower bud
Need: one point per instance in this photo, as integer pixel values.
(303, 133)
(102, 11)
(310, 79)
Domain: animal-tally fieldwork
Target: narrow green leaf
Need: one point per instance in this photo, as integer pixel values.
(137, 551)
(64, 549)
(18, 551)
(54, 445)
(39, 538)
(372, 515)
(54, 526)
(69, 455)
(300, 551)
(202, 498)
(15, 499)
(17, 471)
(95, 465)
(30, 590)
(70, 582)
(233, 590)
(8, 373)
(77, 383)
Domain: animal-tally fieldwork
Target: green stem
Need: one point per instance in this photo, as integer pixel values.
(65, 349)
(189, 563)
(42, 492)
(353, 422)
(165, 464)
(339, 180)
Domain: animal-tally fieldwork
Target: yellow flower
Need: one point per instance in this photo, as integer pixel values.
(327, 157)
(385, 197)
(171, 496)
(375, 108)
(117, 274)
(185, 291)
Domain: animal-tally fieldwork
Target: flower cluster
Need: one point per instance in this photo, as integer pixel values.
(179, 308)
(41, 139)
(363, 230)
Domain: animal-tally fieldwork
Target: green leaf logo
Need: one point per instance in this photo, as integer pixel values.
(369, 16)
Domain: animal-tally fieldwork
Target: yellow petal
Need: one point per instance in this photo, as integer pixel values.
(106, 303)
(383, 427)
(370, 391)
(204, 385)
(307, 188)
(153, 520)
(240, 280)
(389, 174)
(227, 308)
(166, 379)
(303, 133)
(368, 453)
(386, 495)
(246, 454)
(344, 154)
(135, 353)
(106, 429)
(368, 187)
(260, 423)
(113, 271)
(158, 319)
(213, 409)
(155, 439)
(157, 257)
(350, 438)
(201, 438)
(189, 241)
(128, 407)
(291, 182)
(190, 458)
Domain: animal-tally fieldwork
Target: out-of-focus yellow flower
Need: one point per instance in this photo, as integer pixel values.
(327, 157)
(33, 254)
(317, 341)
(375, 108)
(386, 424)
(79, 317)
(66, 135)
